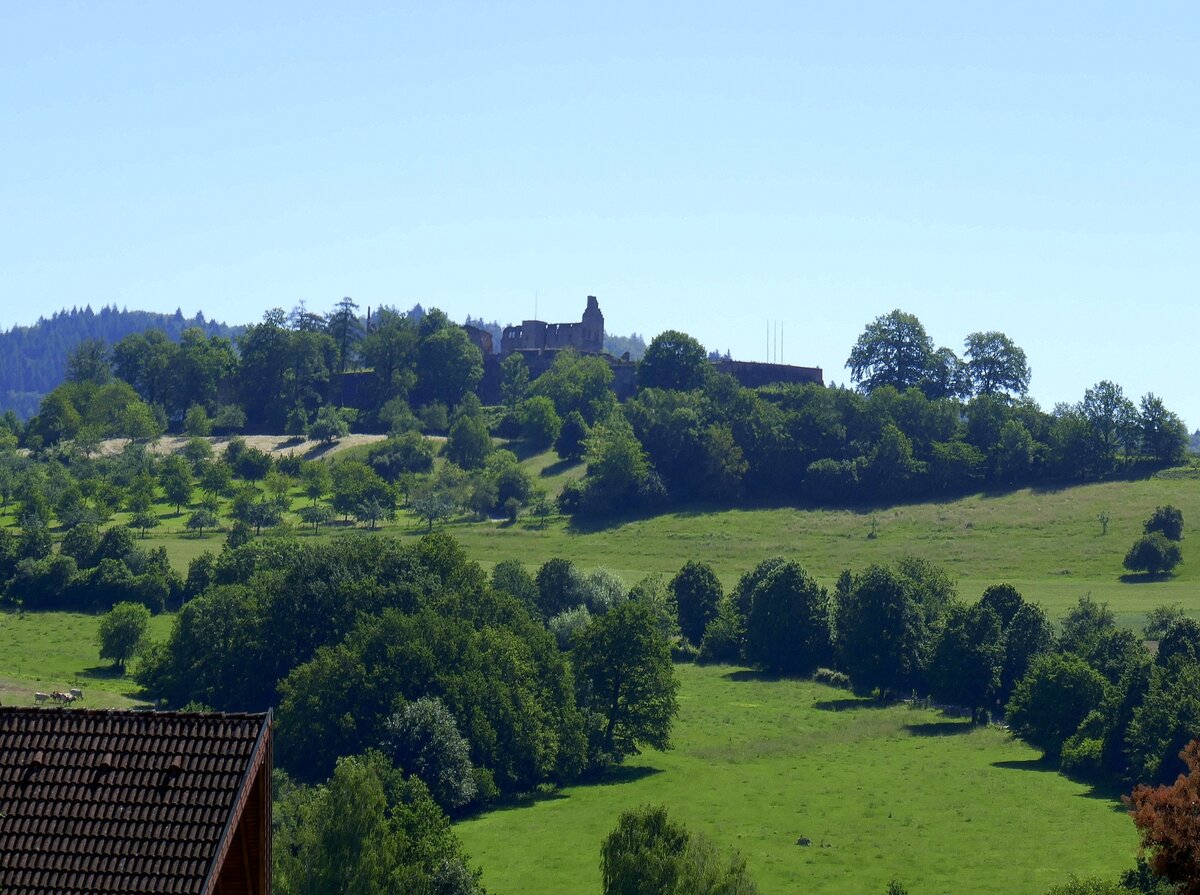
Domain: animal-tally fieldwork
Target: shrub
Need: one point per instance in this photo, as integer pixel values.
(572, 437)
(434, 416)
(329, 426)
(697, 594)
(1168, 521)
(1153, 554)
(832, 678)
(722, 641)
(407, 452)
(540, 424)
(650, 854)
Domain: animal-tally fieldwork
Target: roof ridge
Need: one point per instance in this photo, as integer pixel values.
(131, 712)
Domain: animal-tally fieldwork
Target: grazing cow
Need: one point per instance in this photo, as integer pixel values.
(40, 696)
(77, 693)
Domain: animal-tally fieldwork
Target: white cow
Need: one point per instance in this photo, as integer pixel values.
(76, 692)
(40, 696)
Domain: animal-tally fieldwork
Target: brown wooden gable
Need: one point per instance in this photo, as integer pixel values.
(108, 802)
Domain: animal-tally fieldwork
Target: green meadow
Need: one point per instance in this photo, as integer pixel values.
(1047, 542)
(881, 793)
(50, 651)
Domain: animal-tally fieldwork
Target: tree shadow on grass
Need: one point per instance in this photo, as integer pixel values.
(849, 703)
(516, 803)
(939, 728)
(1146, 577)
(558, 467)
(318, 450)
(612, 777)
(750, 674)
(1102, 791)
(102, 672)
(623, 774)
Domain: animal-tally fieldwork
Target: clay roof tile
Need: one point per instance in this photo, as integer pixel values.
(108, 802)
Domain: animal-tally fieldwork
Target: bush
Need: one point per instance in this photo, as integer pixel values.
(567, 624)
(1153, 554)
(228, 418)
(196, 421)
(540, 424)
(560, 587)
(650, 854)
(514, 579)
(603, 590)
(1052, 700)
(832, 678)
(329, 426)
(572, 437)
(787, 629)
(722, 641)
(434, 416)
(697, 595)
(250, 464)
(1167, 521)
(468, 443)
(408, 452)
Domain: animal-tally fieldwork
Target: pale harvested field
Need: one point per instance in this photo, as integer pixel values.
(278, 445)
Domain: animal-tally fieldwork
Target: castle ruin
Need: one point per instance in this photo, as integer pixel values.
(586, 337)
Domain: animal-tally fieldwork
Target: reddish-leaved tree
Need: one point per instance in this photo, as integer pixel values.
(1168, 818)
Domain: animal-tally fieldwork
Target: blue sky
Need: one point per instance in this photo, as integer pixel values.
(701, 167)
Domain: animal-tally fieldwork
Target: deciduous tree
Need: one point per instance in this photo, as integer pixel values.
(122, 633)
(1049, 703)
(787, 629)
(626, 681)
(893, 350)
(697, 593)
(1169, 824)
(674, 360)
(996, 365)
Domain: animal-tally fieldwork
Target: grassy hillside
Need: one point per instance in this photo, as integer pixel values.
(882, 793)
(1047, 542)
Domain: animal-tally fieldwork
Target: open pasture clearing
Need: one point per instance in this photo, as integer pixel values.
(881, 793)
(1049, 543)
(56, 651)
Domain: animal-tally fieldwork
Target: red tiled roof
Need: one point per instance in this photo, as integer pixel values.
(106, 802)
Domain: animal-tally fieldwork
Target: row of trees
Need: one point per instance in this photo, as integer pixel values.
(91, 572)
(833, 446)
(921, 424)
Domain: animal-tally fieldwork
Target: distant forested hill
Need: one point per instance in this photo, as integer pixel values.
(33, 359)
(618, 345)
